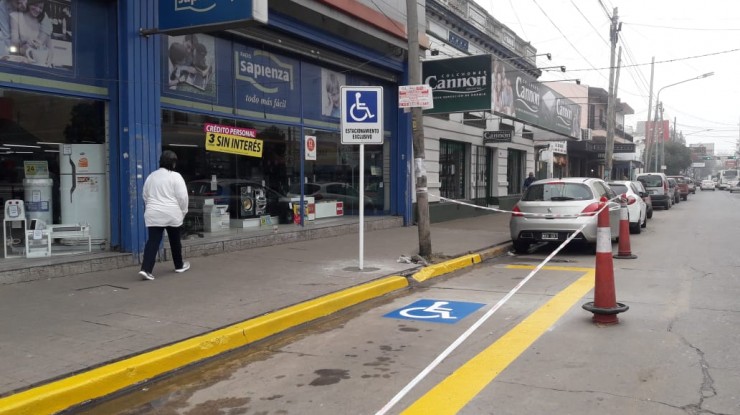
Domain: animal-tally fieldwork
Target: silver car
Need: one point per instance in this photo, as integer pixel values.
(550, 210)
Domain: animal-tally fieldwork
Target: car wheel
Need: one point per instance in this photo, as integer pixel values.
(644, 223)
(521, 247)
(635, 228)
(649, 213)
(685, 197)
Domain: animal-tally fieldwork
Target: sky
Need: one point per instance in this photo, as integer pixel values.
(686, 38)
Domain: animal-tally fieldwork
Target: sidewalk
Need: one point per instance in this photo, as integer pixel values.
(55, 328)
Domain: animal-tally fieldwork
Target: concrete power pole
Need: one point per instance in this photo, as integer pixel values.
(417, 132)
(648, 140)
(610, 110)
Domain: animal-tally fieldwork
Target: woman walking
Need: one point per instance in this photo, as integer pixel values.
(165, 203)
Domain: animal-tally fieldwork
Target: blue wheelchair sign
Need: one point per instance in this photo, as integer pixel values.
(362, 106)
(436, 311)
(362, 115)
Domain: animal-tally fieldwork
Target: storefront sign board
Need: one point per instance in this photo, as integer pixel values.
(197, 16)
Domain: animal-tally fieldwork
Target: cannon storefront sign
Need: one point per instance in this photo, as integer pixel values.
(484, 83)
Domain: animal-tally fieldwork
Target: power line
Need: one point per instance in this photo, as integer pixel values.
(698, 29)
(665, 61)
(566, 38)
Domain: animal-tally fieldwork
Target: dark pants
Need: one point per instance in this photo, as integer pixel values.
(152, 246)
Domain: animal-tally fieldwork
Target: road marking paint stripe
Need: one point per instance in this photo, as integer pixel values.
(453, 393)
(552, 268)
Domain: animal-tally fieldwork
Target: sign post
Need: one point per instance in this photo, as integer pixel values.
(361, 123)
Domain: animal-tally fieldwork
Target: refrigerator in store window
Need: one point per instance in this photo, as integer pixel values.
(83, 187)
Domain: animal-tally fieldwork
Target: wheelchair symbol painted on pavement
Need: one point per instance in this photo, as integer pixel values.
(361, 108)
(436, 311)
(433, 311)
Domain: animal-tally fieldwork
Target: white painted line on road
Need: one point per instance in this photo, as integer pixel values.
(473, 328)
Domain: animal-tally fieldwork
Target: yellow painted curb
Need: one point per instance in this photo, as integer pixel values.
(446, 267)
(74, 390)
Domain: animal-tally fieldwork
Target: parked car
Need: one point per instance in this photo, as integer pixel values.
(707, 185)
(537, 215)
(228, 192)
(332, 191)
(682, 187)
(645, 198)
(657, 185)
(636, 207)
(692, 185)
(673, 190)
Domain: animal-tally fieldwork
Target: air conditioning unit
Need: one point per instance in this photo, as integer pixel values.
(586, 134)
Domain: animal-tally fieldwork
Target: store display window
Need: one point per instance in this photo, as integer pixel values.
(58, 169)
(241, 174)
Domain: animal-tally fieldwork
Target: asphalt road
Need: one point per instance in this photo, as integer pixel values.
(528, 349)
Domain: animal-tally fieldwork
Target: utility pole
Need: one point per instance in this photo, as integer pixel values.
(610, 110)
(648, 140)
(417, 133)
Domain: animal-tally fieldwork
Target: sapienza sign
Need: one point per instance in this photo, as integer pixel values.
(196, 16)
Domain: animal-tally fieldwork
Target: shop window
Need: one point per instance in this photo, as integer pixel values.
(452, 170)
(53, 157)
(484, 157)
(231, 179)
(515, 173)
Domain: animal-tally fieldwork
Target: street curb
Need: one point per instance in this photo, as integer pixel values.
(104, 380)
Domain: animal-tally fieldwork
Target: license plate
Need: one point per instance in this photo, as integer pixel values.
(549, 236)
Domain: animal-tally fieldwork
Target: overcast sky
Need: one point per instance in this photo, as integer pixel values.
(686, 38)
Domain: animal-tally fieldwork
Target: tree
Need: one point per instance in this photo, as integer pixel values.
(677, 158)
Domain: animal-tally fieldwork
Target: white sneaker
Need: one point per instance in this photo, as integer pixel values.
(185, 267)
(146, 275)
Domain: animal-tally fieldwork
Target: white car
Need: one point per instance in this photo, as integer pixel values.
(636, 207)
(707, 185)
(551, 209)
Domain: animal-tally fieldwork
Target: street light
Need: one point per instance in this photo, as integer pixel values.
(657, 104)
(560, 67)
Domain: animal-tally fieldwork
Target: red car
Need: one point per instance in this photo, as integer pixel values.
(683, 186)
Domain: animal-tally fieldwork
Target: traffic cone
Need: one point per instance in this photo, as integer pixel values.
(625, 252)
(605, 306)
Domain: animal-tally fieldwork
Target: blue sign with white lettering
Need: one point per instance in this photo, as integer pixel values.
(436, 311)
(194, 16)
(361, 106)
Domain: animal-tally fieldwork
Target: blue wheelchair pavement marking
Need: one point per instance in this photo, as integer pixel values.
(436, 311)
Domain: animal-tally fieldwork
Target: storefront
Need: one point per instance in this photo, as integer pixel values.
(57, 90)
(255, 124)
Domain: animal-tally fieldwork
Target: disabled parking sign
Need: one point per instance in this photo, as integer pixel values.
(362, 114)
(436, 311)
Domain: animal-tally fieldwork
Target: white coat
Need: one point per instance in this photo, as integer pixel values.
(165, 198)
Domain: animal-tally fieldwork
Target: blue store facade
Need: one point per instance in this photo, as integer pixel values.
(85, 116)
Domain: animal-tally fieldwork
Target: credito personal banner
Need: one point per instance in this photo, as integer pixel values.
(233, 140)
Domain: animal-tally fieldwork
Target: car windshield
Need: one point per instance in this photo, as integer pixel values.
(651, 181)
(618, 188)
(557, 191)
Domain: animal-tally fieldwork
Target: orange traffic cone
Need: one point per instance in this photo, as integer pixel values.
(605, 306)
(625, 252)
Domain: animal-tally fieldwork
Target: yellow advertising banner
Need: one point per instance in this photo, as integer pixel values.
(233, 144)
